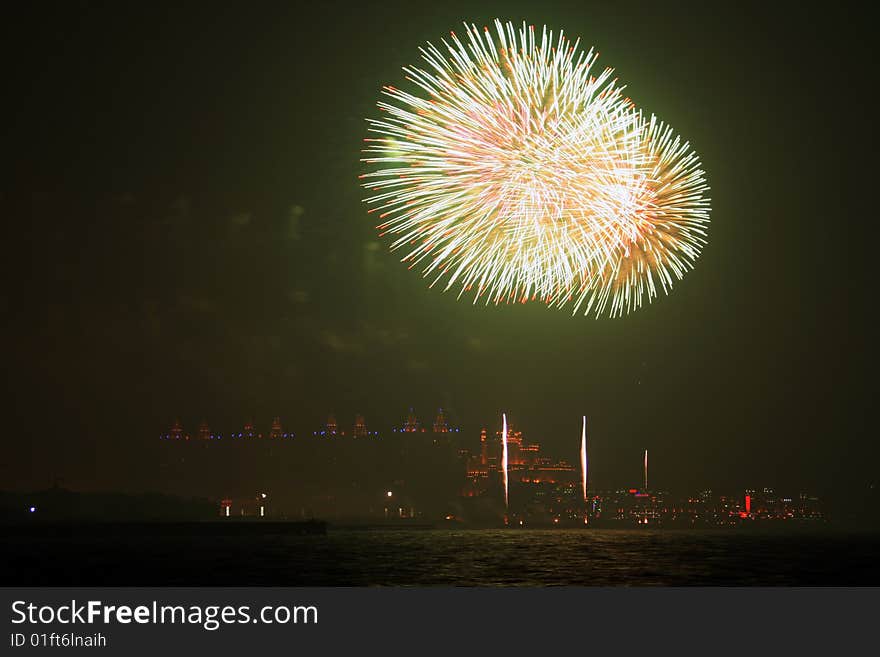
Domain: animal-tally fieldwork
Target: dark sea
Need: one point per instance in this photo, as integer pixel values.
(426, 557)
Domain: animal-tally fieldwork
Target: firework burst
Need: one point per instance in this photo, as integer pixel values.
(516, 171)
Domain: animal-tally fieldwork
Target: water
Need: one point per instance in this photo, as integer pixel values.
(456, 557)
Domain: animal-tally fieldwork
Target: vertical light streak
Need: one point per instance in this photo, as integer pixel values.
(584, 458)
(504, 455)
(646, 471)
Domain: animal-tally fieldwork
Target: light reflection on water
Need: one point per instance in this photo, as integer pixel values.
(456, 557)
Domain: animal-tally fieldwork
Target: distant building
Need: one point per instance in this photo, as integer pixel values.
(525, 464)
(440, 424)
(329, 429)
(442, 433)
(175, 432)
(411, 424)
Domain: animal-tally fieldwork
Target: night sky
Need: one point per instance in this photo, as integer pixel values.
(185, 237)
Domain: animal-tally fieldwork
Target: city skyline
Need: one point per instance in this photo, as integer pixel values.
(412, 429)
(279, 427)
(498, 479)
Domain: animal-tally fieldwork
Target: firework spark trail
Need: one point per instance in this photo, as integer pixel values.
(517, 171)
(584, 458)
(504, 455)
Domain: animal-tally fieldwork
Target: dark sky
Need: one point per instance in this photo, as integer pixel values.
(184, 236)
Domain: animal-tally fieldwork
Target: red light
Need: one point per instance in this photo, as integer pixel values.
(748, 503)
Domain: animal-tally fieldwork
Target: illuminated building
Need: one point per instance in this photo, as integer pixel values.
(441, 432)
(526, 466)
(411, 424)
(329, 429)
(275, 431)
(204, 431)
(440, 423)
(175, 433)
(440, 429)
(360, 427)
(514, 442)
